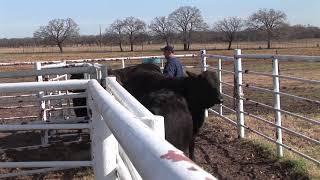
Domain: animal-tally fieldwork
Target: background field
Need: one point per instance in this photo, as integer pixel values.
(306, 70)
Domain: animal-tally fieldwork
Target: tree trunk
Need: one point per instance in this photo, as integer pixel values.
(185, 46)
(269, 41)
(60, 47)
(120, 45)
(229, 47)
(131, 45)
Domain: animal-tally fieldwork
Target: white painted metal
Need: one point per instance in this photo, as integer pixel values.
(156, 123)
(132, 170)
(43, 86)
(279, 57)
(122, 170)
(126, 99)
(45, 164)
(282, 76)
(239, 93)
(5, 127)
(95, 60)
(144, 148)
(123, 64)
(104, 148)
(204, 68)
(43, 113)
(51, 71)
(220, 84)
(22, 117)
(225, 58)
(276, 105)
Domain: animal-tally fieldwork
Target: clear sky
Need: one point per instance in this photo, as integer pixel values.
(20, 18)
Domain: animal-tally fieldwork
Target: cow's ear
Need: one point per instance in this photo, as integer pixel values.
(191, 74)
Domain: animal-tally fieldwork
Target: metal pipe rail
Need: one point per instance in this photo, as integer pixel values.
(310, 120)
(156, 154)
(228, 96)
(282, 145)
(13, 118)
(224, 118)
(281, 76)
(43, 86)
(44, 127)
(126, 98)
(95, 60)
(19, 107)
(46, 97)
(230, 109)
(42, 72)
(279, 57)
(222, 70)
(281, 93)
(45, 164)
(284, 128)
(222, 82)
(226, 58)
(20, 96)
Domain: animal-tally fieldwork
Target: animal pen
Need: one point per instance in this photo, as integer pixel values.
(115, 129)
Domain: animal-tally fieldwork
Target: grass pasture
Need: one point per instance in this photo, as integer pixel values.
(306, 70)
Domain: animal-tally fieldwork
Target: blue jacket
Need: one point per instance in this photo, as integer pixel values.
(173, 68)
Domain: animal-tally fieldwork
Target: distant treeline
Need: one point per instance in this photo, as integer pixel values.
(247, 35)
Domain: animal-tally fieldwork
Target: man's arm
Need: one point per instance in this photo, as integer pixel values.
(169, 70)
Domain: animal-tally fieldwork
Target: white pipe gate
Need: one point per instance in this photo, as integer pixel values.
(153, 157)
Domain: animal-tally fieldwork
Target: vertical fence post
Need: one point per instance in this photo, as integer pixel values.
(123, 65)
(203, 59)
(220, 83)
(44, 137)
(276, 104)
(239, 92)
(104, 147)
(204, 68)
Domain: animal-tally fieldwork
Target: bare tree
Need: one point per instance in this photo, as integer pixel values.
(187, 19)
(133, 28)
(229, 26)
(162, 28)
(118, 28)
(58, 31)
(267, 20)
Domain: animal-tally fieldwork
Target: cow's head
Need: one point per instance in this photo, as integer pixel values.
(203, 89)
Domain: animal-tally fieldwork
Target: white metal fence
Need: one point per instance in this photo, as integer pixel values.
(151, 155)
(239, 97)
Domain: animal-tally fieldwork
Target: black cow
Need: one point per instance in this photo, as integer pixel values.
(178, 121)
(181, 101)
(122, 75)
(200, 92)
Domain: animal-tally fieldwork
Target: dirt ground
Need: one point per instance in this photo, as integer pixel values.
(218, 151)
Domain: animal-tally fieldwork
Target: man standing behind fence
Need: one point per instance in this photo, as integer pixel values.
(173, 67)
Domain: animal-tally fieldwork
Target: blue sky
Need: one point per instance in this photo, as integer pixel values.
(20, 18)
